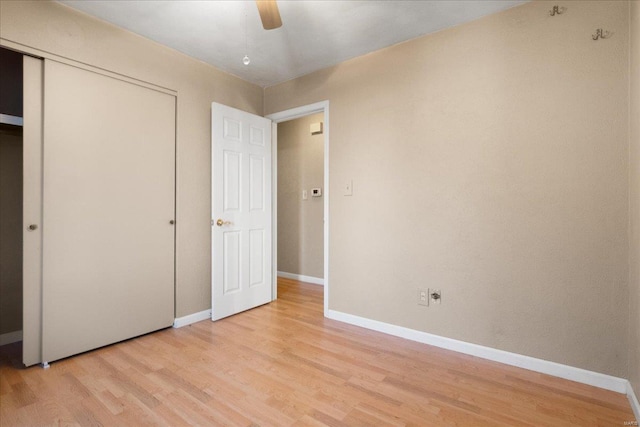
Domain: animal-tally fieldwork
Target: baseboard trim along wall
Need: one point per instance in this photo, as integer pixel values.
(10, 337)
(192, 318)
(302, 278)
(633, 400)
(584, 376)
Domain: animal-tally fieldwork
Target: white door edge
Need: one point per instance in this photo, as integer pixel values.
(274, 210)
(283, 116)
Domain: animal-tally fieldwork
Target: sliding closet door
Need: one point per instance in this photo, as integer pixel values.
(32, 212)
(108, 210)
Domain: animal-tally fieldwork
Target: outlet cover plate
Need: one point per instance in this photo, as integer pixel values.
(423, 296)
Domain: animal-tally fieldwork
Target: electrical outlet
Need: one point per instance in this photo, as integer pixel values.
(423, 296)
(435, 296)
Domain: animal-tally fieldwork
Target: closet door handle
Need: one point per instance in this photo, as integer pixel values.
(172, 222)
(32, 227)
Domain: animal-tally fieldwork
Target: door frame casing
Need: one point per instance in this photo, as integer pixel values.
(283, 116)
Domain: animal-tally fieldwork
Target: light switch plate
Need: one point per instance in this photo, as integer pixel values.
(348, 188)
(305, 195)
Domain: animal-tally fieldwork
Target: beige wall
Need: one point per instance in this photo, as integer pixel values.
(490, 161)
(10, 229)
(634, 199)
(55, 29)
(300, 222)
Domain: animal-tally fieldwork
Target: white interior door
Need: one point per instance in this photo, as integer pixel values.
(108, 210)
(241, 211)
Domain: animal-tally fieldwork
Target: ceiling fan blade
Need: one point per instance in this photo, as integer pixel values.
(269, 14)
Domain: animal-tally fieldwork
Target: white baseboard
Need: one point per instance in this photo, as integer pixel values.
(302, 278)
(633, 401)
(584, 376)
(192, 318)
(10, 337)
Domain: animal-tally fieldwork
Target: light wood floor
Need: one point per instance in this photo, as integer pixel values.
(283, 364)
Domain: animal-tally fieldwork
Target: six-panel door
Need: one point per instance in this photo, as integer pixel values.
(241, 211)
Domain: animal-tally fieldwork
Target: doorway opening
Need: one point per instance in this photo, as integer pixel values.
(301, 196)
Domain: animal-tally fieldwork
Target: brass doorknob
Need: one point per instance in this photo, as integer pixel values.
(32, 227)
(219, 222)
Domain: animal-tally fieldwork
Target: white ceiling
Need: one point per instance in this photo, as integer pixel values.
(315, 33)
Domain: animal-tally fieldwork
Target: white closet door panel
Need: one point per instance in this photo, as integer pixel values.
(109, 182)
(32, 212)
